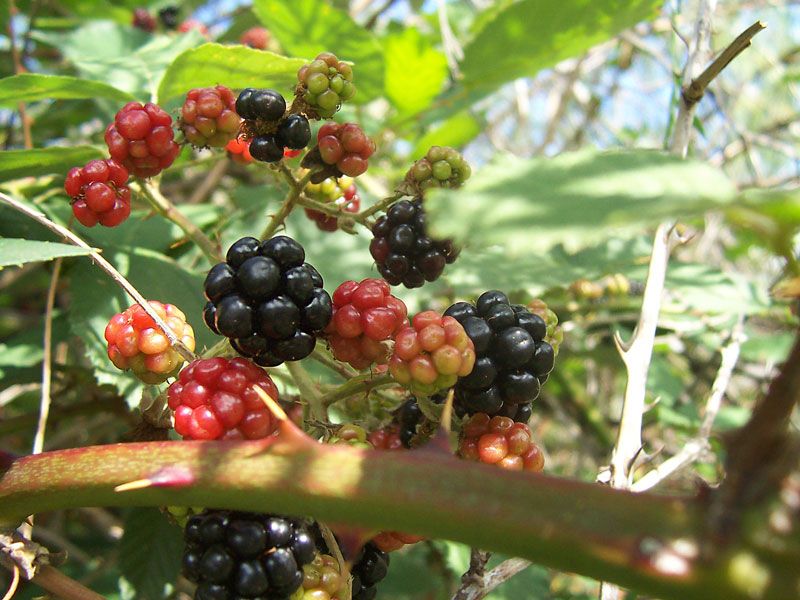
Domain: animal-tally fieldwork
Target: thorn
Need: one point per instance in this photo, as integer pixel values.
(272, 405)
(622, 347)
(166, 477)
(287, 429)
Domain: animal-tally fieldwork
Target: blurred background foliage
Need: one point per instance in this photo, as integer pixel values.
(563, 109)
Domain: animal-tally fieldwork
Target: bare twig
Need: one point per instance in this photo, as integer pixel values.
(106, 266)
(472, 584)
(169, 211)
(497, 576)
(61, 586)
(697, 446)
(210, 181)
(44, 406)
(12, 588)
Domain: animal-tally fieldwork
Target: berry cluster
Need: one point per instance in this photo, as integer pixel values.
(370, 568)
(99, 193)
(214, 399)
(431, 354)
(208, 117)
(442, 166)
(385, 438)
(267, 300)
(346, 146)
(365, 316)
(239, 151)
(142, 19)
(403, 250)
(245, 555)
(513, 358)
(271, 132)
(322, 580)
(502, 442)
(325, 83)
(341, 193)
(141, 139)
(255, 37)
(135, 342)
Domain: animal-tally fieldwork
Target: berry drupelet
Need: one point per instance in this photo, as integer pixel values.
(513, 359)
(267, 300)
(99, 193)
(245, 555)
(403, 250)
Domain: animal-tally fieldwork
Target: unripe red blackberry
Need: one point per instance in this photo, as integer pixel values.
(141, 139)
(239, 151)
(208, 117)
(99, 193)
(245, 555)
(502, 442)
(385, 438)
(365, 317)
(340, 192)
(142, 19)
(214, 398)
(267, 300)
(324, 84)
(431, 354)
(255, 37)
(194, 25)
(513, 360)
(135, 342)
(442, 166)
(403, 250)
(346, 146)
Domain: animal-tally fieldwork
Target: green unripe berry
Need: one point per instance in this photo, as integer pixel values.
(464, 171)
(317, 66)
(348, 91)
(337, 83)
(442, 170)
(345, 71)
(310, 98)
(328, 100)
(317, 83)
(436, 153)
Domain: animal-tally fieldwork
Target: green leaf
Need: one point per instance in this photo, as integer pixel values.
(43, 161)
(15, 252)
(415, 71)
(150, 552)
(232, 66)
(574, 199)
(308, 27)
(127, 58)
(456, 131)
(28, 87)
(531, 35)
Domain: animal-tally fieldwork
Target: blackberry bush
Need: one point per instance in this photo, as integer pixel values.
(513, 360)
(267, 300)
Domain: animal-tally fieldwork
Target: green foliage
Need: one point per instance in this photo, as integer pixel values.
(530, 35)
(17, 252)
(150, 553)
(415, 70)
(233, 66)
(27, 87)
(307, 27)
(43, 161)
(575, 198)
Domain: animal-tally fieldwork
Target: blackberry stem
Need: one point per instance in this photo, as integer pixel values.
(308, 390)
(169, 211)
(356, 385)
(375, 208)
(296, 187)
(325, 358)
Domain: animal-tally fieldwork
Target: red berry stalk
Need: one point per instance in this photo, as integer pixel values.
(99, 193)
(135, 342)
(141, 139)
(208, 117)
(365, 317)
(255, 37)
(431, 354)
(214, 399)
(502, 442)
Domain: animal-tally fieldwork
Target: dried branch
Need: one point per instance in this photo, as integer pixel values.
(472, 584)
(699, 445)
(496, 577)
(106, 266)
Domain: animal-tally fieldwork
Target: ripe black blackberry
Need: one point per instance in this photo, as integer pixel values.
(267, 105)
(271, 132)
(245, 555)
(169, 17)
(403, 250)
(369, 569)
(513, 360)
(267, 300)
